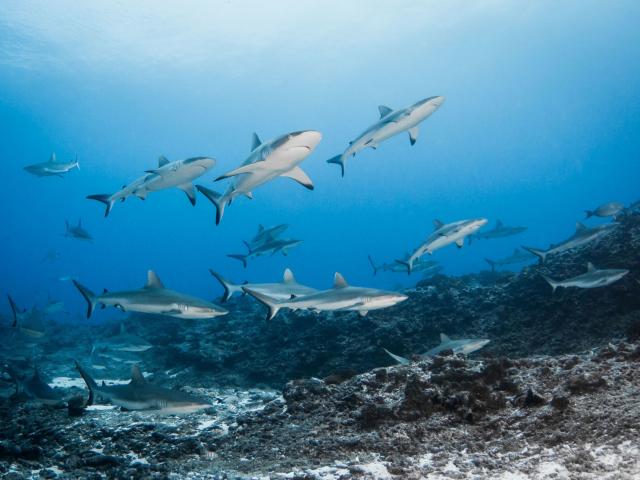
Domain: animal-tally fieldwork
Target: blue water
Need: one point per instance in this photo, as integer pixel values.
(540, 123)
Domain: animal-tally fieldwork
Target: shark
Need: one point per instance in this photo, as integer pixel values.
(51, 256)
(177, 174)
(465, 346)
(152, 298)
(123, 342)
(22, 315)
(582, 236)
(78, 231)
(52, 167)
(610, 209)
(265, 235)
(391, 123)
(36, 388)
(499, 231)
(272, 247)
(279, 157)
(342, 297)
(443, 235)
(139, 394)
(284, 290)
(419, 266)
(518, 256)
(593, 278)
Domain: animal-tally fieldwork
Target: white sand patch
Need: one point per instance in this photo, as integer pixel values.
(376, 471)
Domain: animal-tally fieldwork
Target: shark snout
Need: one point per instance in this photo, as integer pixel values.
(305, 138)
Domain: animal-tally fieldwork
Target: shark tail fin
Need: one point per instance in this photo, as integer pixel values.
(554, 284)
(492, 263)
(14, 311)
(407, 265)
(398, 358)
(229, 288)
(541, 254)
(104, 198)
(267, 301)
(91, 383)
(239, 256)
(219, 201)
(338, 160)
(88, 295)
(373, 265)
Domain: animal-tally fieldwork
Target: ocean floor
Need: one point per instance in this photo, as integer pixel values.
(566, 416)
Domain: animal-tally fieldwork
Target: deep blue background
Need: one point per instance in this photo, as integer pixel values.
(541, 122)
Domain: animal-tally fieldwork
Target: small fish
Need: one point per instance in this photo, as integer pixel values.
(610, 209)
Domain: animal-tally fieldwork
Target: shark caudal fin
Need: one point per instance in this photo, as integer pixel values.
(492, 263)
(229, 288)
(554, 284)
(398, 358)
(219, 201)
(541, 254)
(91, 383)
(88, 295)
(267, 301)
(407, 265)
(239, 256)
(103, 198)
(338, 160)
(373, 265)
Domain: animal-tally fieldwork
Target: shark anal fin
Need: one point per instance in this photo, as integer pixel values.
(460, 242)
(299, 176)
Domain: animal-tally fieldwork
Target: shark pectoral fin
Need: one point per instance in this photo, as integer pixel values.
(398, 358)
(249, 195)
(251, 168)
(413, 135)
(384, 110)
(299, 176)
(371, 143)
(460, 242)
(363, 313)
(189, 190)
(141, 194)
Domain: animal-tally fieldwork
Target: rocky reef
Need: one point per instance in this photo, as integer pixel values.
(554, 395)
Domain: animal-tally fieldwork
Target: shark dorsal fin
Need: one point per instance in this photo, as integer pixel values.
(153, 281)
(52, 158)
(437, 224)
(498, 223)
(384, 110)
(162, 161)
(136, 375)
(444, 338)
(288, 276)
(590, 267)
(580, 227)
(255, 141)
(260, 228)
(339, 281)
